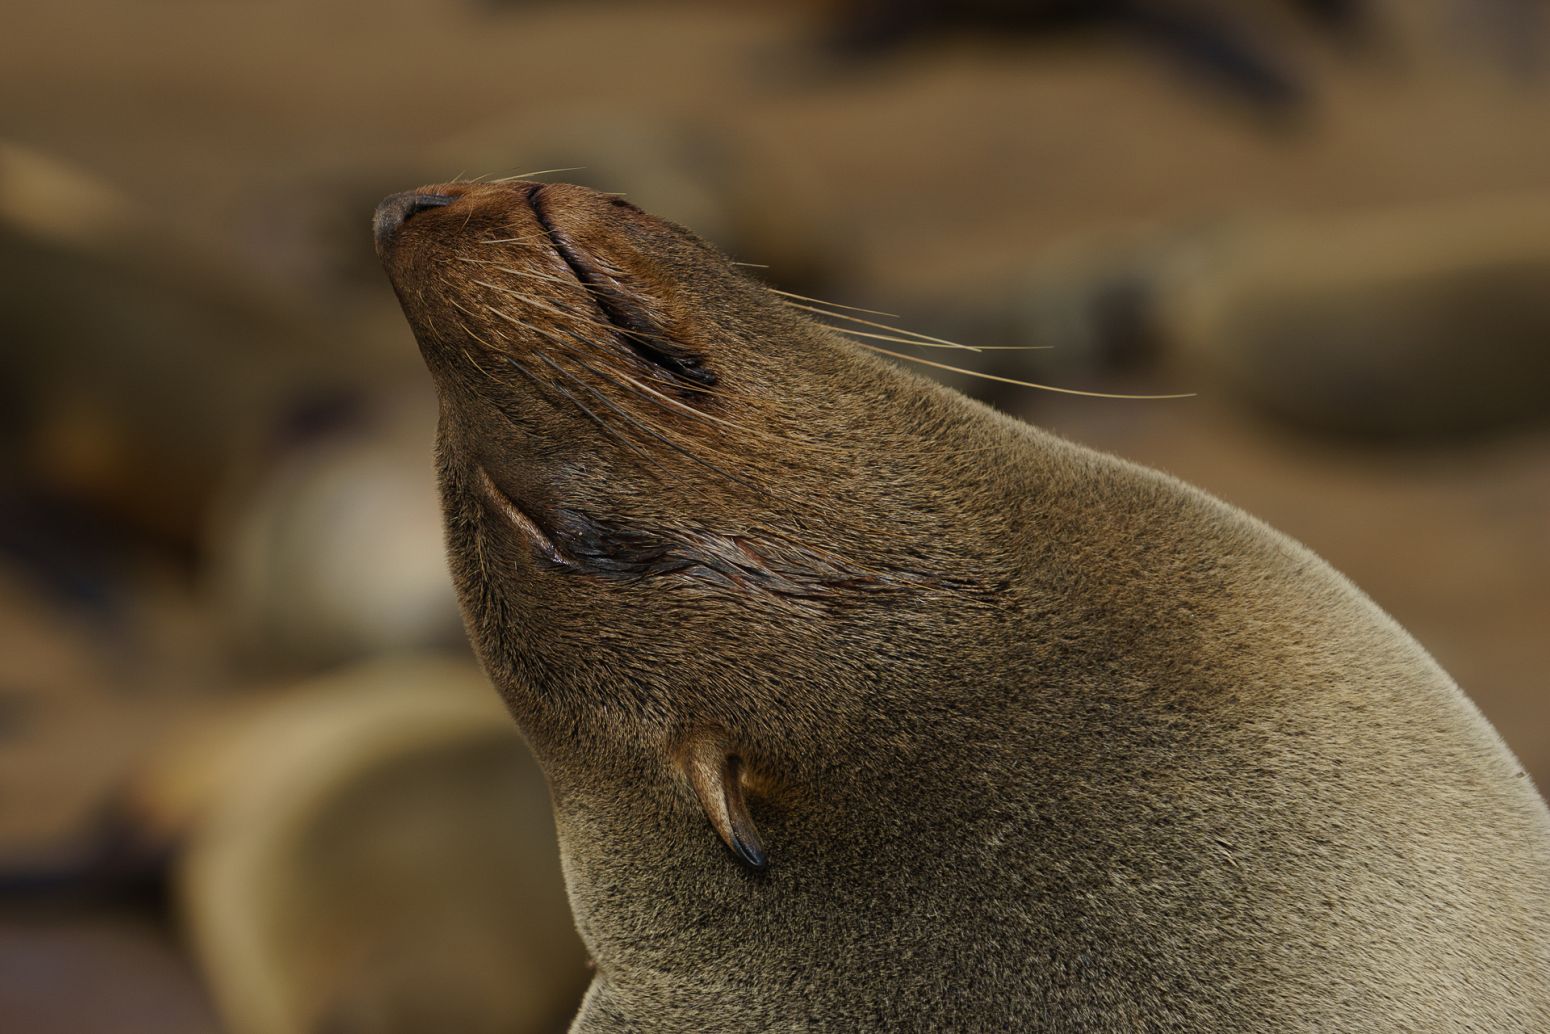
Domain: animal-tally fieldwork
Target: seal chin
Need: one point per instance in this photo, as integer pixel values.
(397, 209)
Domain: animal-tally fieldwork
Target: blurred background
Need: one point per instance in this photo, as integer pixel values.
(250, 779)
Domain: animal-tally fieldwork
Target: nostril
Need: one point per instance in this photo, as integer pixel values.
(397, 209)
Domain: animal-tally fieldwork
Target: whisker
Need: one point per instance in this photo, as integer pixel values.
(928, 344)
(652, 432)
(472, 361)
(662, 399)
(599, 421)
(879, 326)
(1021, 384)
(898, 340)
(569, 316)
(540, 172)
(595, 347)
(513, 363)
(833, 305)
(547, 306)
(513, 240)
(563, 314)
(523, 274)
(652, 394)
(669, 402)
(556, 309)
(542, 387)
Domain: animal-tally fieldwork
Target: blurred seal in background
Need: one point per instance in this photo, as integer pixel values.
(138, 364)
(1430, 324)
(396, 873)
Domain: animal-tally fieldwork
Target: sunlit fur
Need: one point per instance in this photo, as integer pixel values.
(1035, 739)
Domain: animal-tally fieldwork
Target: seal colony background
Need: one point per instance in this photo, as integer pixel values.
(249, 778)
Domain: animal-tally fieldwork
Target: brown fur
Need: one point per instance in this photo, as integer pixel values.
(1034, 739)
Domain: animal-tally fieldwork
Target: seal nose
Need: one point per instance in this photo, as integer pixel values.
(396, 209)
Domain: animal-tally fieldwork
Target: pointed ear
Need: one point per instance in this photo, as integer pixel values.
(716, 775)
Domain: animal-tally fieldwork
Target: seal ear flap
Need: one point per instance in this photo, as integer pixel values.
(715, 773)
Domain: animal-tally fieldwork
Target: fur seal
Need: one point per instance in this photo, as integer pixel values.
(1400, 324)
(864, 706)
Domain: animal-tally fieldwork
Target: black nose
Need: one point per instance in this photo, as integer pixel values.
(396, 209)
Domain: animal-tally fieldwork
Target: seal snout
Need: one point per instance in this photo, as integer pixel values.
(397, 209)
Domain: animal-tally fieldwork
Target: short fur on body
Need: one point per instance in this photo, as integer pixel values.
(1007, 734)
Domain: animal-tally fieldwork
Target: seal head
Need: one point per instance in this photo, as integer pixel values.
(659, 503)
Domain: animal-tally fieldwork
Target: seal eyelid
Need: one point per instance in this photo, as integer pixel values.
(689, 367)
(642, 337)
(634, 325)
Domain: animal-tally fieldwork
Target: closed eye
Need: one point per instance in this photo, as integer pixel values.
(643, 336)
